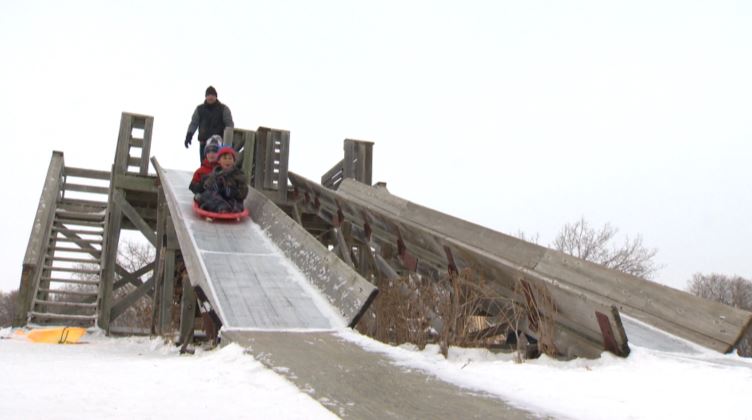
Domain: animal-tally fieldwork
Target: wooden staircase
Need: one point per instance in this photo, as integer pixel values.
(69, 277)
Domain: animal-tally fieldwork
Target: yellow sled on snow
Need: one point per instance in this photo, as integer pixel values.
(58, 335)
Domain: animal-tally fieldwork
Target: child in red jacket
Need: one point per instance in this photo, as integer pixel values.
(207, 166)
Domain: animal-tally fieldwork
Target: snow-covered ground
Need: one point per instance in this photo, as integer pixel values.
(141, 378)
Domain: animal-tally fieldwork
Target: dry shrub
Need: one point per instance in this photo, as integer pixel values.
(460, 310)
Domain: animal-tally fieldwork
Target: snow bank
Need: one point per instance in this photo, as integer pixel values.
(141, 378)
(649, 384)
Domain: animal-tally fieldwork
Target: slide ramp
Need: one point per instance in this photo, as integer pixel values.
(248, 279)
(286, 298)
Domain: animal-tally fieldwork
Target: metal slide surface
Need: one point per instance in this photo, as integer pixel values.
(248, 280)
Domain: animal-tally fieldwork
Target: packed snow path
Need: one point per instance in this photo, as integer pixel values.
(359, 384)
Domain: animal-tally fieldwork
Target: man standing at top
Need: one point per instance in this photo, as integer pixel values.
(211, 117)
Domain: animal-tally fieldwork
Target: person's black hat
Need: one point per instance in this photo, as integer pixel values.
(211, 91)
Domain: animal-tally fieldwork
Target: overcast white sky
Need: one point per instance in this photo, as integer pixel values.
(520, 116)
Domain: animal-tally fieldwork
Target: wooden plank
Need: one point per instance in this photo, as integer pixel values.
(26, 292)
(59, 221)
(248, 156)
(62, 316)
(159, 258)
(86, 188)
(135, 182)
(75, 215)
(66, 304)
(343, 247)
(187, 314)
(109, 261)
(136, 142)
(168, 288)
(284, 157)
(86, 173)
(710, 324)
(133, 278)
(146, 147)
(333, 177)
(123, 304)
(121, 152)
(67, 292)
(45, 211)
(135, 162)
(76, 260)
(72, 281)
(70, 270)
(77, 231)
(134, 217)
(87, 250)
(80, 241)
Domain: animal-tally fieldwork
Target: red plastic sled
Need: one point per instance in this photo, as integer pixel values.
(210, 215)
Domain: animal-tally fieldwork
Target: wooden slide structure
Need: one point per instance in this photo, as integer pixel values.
(290, 278)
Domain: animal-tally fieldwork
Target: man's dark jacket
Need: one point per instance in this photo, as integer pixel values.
(209, 120)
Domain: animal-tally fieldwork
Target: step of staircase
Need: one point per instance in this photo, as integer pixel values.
(65, 221)
(74, 260)
(66, 304)
(49, 315)
(71, 281)
(71, 270)
(93, 251)
(67, 292)
(64, 230)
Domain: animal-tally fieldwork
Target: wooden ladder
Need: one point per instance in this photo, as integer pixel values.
(69, 280)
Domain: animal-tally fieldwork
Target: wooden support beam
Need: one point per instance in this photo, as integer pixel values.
(135, 183)
(37, 246)
(134, 217)
(342, 247)
(132, 278)
(187, 313)
(123, 304)
(109, 262)
(167, 293)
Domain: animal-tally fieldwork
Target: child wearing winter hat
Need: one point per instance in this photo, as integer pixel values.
(226, 187)
(207, 165)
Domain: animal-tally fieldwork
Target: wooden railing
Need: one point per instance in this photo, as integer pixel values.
(40, 232)
(357, 165)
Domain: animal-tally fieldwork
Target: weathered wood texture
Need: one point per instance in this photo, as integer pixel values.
(244, 142)
(134, 140)
(246, 278)
(432, 245)
(132, 204)
(355, 383)
(343, 287)
(357, 164)
(704, 322)
(36, 248)
(271, 159)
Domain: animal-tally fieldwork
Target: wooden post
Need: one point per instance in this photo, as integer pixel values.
(358, 160)
(108, 257)
(187, 313)
(168, 287)
(244, 142)
(271, 156)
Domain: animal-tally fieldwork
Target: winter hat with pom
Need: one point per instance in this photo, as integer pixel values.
(213, 144)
